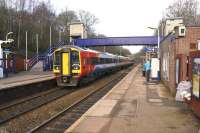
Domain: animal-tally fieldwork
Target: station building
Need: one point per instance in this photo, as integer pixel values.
(175, 51)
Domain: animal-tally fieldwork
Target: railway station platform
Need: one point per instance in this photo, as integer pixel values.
(135, 106)
(25, 78)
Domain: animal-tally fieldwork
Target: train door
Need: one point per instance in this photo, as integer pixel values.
(84, 63)
(66, 67)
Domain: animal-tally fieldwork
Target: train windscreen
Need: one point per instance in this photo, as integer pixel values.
(57, 58)
(75, 57)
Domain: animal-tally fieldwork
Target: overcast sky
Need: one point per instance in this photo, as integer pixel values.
(120, 17)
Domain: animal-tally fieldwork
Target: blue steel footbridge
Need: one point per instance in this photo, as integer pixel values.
(149, 41)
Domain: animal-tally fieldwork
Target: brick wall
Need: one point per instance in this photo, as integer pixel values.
(178, 48)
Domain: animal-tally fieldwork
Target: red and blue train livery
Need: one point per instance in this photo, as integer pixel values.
(74, 65)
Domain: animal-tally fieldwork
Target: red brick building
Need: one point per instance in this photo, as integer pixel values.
(174, 56)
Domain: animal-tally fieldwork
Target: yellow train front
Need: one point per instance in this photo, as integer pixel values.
(67, 66)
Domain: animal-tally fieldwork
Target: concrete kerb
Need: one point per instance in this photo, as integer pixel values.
(17, 83)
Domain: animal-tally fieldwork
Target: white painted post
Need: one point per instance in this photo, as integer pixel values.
(26, 53)
(1, 60)
(50, 50)
(6, 61)
(37, 45)
(50, 38)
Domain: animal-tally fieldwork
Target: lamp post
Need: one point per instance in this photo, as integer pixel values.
(1, 55)
(158, 50)
(26, 50)
(9, 33)
(50, 47)
(37, 46)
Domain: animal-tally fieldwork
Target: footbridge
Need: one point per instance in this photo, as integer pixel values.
(117, 41)
(148, 41)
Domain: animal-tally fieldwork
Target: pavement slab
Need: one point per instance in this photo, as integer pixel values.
(140, 108)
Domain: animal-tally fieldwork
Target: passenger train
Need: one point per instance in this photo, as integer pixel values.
(75, 65)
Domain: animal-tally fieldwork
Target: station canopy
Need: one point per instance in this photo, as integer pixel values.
(117, 41)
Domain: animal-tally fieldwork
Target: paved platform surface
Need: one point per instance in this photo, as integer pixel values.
(24, 78)
(133, 106)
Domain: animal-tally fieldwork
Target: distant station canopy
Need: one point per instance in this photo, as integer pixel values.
(117, 41)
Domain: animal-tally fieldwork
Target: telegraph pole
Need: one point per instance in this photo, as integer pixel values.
(59, 35)
(50, 49)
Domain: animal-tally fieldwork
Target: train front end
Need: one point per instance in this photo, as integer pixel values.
(67, 67)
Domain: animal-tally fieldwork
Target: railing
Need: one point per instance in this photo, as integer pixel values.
(46, 57)
(32, 62)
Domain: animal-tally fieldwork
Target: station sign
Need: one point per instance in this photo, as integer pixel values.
(150, 49)
(7, 51)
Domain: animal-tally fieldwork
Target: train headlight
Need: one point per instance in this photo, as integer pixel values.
(76, 67)
(56, 68)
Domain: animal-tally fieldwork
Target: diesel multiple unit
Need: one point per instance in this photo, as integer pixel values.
(74, 65)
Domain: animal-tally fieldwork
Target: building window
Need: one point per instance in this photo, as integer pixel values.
(193, 46)
(182, 31)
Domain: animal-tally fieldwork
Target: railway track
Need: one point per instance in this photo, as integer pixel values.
(15, 109)
(65, 118)
(55, 110)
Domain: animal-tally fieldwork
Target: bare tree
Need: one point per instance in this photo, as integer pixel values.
(64, 19)
(188, 9)
(36, 17)
(89, 21)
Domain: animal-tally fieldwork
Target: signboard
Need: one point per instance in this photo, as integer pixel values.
(196, 77)
(155, 67)
(7, 51)
(150, 49)
(198, 44)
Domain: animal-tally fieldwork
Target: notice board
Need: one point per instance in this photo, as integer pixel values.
(196, 77)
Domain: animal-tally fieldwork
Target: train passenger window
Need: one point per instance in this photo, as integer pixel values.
(110, 60)
(75, 57)
(95, 61)
(101, 60)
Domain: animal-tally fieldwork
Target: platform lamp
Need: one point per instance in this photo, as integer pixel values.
(9, 33)
(1, 54)
(158, 50)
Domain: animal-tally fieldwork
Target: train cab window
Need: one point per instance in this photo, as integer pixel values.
(75, 57)
(57, 58)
